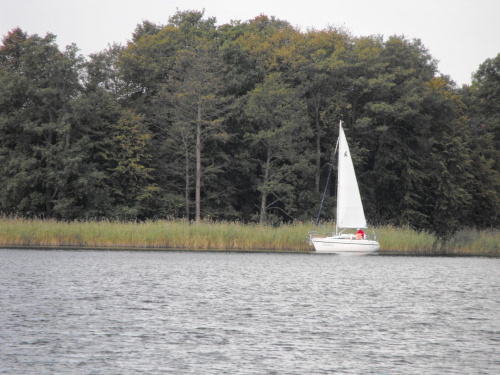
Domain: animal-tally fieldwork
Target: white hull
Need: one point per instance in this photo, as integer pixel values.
(341, 244)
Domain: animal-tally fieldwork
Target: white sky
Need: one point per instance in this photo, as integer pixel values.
(461, 34)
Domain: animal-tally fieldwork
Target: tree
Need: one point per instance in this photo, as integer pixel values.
(449, 164)
(38, 84)
(175, 138)
(388, 121)
(147, 28)
(486, 90)
(320, 78)
(147, 63)
(482, 100)
(130, 175)
(93, 117)
(198, 101)
(102, 71)
(276, 135)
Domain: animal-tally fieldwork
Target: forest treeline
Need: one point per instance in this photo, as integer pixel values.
(239, 122)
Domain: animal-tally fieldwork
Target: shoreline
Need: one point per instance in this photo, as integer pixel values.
(414, 253)
(181, 235)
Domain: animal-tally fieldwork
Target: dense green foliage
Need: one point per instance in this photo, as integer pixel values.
(239, 122)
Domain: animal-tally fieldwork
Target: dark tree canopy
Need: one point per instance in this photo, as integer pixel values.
(239, 122)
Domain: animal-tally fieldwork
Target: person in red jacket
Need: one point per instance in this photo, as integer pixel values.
(360, 235)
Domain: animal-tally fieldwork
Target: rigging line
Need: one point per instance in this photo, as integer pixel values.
(326, 185)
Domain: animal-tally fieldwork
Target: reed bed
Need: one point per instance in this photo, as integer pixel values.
(472, 241)
(230, 236)
(406, 240)
(463, 242)
(172, 234)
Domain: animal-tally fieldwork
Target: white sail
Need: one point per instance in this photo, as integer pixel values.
(349, 207)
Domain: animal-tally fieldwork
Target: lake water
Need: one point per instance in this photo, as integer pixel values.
(119, 312)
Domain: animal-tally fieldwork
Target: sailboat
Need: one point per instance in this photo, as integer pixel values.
(350, 214)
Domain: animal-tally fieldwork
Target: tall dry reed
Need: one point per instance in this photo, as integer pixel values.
(212, 235)
(175, 234)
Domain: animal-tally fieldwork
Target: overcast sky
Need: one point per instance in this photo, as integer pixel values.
(461, 34)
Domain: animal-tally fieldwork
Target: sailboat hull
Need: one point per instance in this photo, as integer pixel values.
(333, 245)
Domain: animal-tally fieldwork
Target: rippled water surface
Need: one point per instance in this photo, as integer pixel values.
(103, 312)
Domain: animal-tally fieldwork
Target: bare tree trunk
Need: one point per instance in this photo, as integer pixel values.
(198, 163)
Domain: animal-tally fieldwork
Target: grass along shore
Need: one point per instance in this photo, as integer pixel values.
(230, 236)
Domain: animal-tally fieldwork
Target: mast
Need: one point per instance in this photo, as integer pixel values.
(338, 178)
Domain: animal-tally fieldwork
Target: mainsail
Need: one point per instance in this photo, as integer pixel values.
(349, 207)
